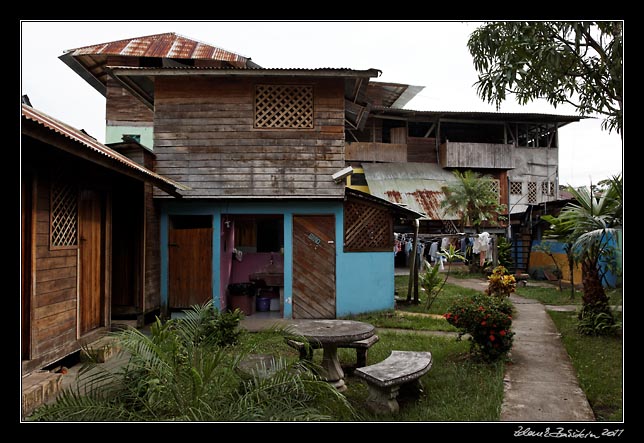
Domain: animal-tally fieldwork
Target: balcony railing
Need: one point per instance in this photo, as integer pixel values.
(476, 155)
(375, 152)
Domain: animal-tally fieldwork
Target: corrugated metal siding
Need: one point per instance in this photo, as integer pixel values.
(415, 185)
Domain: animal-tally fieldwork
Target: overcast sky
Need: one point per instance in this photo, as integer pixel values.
(430, 54)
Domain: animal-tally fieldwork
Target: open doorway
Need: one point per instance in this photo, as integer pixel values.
(252, 263)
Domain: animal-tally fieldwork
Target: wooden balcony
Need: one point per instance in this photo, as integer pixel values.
(476, 155)
(375, 152)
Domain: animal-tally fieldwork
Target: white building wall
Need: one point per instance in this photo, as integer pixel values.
(536, 169)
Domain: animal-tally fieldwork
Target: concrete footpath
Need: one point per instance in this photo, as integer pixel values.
(540, 383)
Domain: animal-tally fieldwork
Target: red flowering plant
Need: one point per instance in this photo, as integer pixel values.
(487, 320)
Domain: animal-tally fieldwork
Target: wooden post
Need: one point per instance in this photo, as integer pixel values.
(416, 266)
(413, 260)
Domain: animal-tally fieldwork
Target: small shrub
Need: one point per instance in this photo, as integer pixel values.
(500, 283)
(594, 322)
(488, 321)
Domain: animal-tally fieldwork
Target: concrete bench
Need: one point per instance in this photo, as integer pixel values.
(259, 365)
(401, 368)
(361, 347)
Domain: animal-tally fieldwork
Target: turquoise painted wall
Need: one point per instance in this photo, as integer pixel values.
(114, 134)
(364, 281)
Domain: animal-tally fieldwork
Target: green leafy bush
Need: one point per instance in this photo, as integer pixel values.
(596, 322)
(487, 320)
(500, 283)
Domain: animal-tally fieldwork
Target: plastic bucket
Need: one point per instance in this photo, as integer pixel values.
(263, 304)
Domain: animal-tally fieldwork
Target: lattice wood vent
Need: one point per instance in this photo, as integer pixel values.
(367, 228)
(532, 192)
(548, 188)
(283, 107)
(516, 188)
(64, 214)
(493, 185)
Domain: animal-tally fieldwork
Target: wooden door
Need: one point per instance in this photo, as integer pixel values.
(190, 267)
(314, 266)
(91, 279)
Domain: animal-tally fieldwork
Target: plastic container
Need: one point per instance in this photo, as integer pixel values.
(275, 304)
(263, 304)
(242, 297)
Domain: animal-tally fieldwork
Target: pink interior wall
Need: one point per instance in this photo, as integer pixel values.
(253, 262)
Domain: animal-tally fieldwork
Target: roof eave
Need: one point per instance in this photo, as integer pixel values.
(80, 69)
(119, 71)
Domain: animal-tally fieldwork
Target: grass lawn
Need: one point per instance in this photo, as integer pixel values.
(599, 365)
(456, 389)
(446, 297)
(552, 296)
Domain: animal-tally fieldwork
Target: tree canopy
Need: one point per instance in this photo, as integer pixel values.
(579, 63)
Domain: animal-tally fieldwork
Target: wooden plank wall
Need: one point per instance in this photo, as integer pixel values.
(421, 150)
(54, 307)
(122, 108)
(376, 152)
(152, 265)
(204, 137)
(476, 155)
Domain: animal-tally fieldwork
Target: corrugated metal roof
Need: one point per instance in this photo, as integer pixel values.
(85, 140)
(167, 45)
(254, 69)
(416, 186)
(387, 94)
(478, 115)
(394, 207)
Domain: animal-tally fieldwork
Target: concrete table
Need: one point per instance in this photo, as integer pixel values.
(330, 334)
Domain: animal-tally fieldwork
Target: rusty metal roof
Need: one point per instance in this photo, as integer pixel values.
(167, 45)
(90, 62)
(416, 186)
(245, 70)
(396, 208)
(96, 147)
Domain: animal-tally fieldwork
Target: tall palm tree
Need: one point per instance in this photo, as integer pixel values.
(472, 198)
(592, 222)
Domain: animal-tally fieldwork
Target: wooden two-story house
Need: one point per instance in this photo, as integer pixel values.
(408, 155)
(258, 148)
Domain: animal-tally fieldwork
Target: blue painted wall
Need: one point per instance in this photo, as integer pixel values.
(608, 265)
(364, 280)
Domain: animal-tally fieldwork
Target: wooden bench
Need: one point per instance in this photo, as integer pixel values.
(361, 347)
(401, 368)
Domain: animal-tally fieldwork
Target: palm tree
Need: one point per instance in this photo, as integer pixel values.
(473, 198)
(591, 223)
